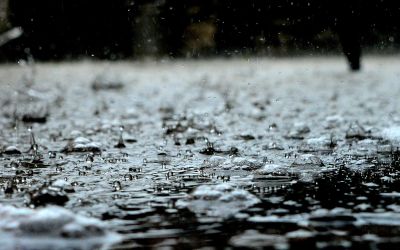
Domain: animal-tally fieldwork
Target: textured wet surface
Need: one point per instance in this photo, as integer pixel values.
(242, 153)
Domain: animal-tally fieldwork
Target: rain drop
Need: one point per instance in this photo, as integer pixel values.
(117, 186)
(128, 177)
(120, 143)
(89, 159)
(34, 146)
(52, 154)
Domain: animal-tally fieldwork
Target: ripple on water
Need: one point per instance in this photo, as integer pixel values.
(27, 228)
(219, 201)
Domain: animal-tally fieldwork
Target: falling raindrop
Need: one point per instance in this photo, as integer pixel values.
(34, 146)
(120, 143)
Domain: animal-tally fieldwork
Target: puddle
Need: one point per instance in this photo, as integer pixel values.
(182, 155)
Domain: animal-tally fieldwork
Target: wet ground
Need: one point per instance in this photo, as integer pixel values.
(280, 154)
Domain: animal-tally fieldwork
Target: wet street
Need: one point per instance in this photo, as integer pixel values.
(259, 153)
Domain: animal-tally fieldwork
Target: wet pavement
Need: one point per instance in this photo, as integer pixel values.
(259, 153)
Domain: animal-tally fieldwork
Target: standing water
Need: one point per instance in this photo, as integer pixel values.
(257, 154)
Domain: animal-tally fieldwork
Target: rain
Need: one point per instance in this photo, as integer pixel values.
(162, 124)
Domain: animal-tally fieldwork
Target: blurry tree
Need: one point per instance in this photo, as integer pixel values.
(146, 38)
(188, 27)
(3, 15)
(122, 28)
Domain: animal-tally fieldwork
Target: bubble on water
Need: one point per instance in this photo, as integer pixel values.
(128, 177)
(387, 179)
(232, 152)
(11, 150)
(272, 127)
(220, 201)
(135, 169)
(246, 137)
(308, 160)
(19, 180)
(14, 165)
(273, 145)
(8, 189)
(52, 154)
(59, 225)
(162, 154)
(274, 169)
(322, 144)
(37, 112)
(209, 149)
(384, 148)
(168, 175)
(81, 144)
(298, 131)
(107, 82)
(89, 159)
(189, 153)
(87, 168)
(255, 240)
(250, 163)
(356, 131)
(117, 186)
(333, 121)
(47, 195)
(19, 172)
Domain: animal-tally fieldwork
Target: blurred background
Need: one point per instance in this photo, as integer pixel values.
(118, 29)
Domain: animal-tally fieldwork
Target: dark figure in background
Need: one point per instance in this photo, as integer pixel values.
(241, 24)
(56, 29)
(347, 22)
